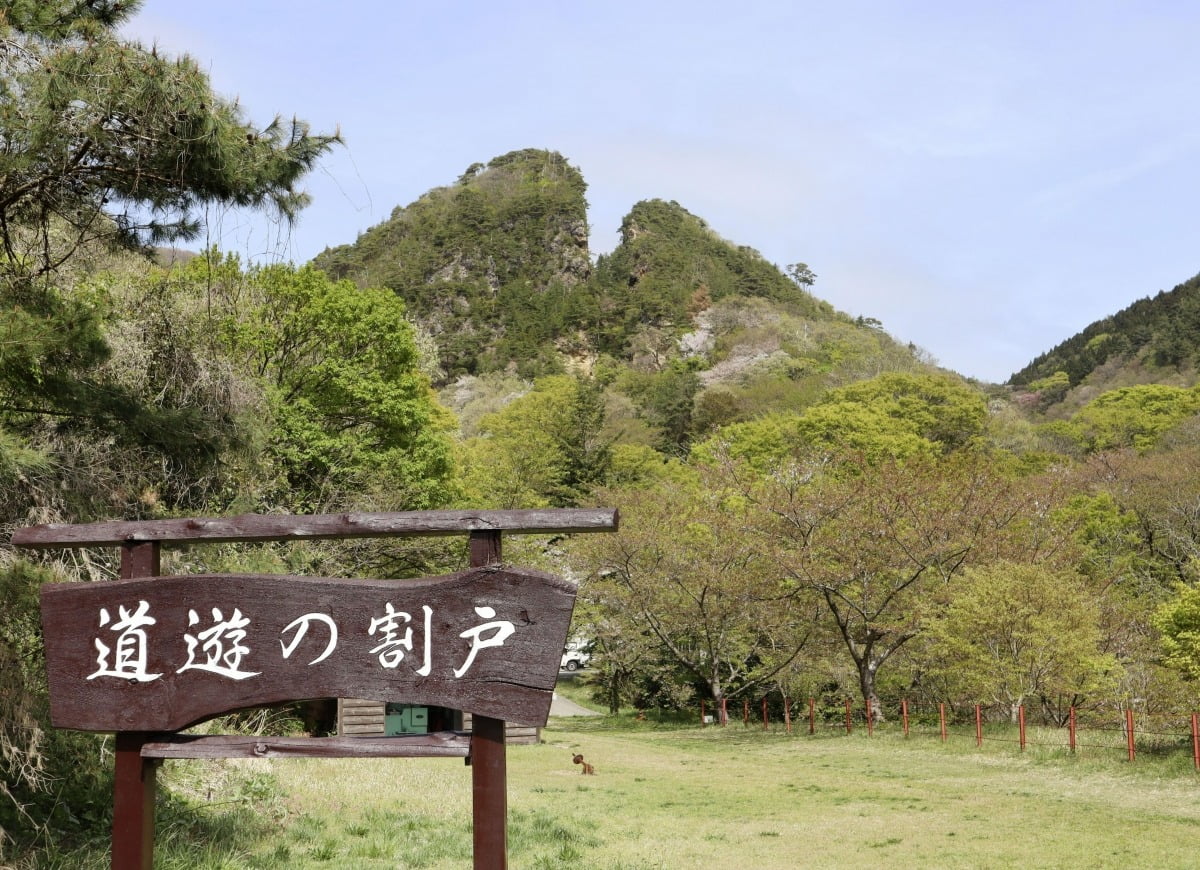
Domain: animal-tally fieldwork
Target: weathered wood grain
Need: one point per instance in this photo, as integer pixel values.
(272, 527)
(512, 681)
(439, 744)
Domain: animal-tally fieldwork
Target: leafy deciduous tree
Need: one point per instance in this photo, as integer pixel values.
(880, 543)
(1013, 632)
(351, 409)
(682, 569)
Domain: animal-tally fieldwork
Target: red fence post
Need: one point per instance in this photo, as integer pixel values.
(1196, 740)
(764, 711)
(1071, 730)
(724, 713)
(849, 724)
(703, 714)
(942, 720)
(1021, 725)
(978, 726)
(812, 715)
(904, 715)
(787, 714)
(746, 712)
(870, 722)
(1129, 733)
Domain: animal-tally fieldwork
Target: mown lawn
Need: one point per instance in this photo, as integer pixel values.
(677, 796)
(688, 797)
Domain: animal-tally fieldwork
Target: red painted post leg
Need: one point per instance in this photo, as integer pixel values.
(904, 715)
(942, 720)
(135, 778)
(489, 789)
(489, 762)
(133, 804)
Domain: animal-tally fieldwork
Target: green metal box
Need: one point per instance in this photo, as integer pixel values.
(405, 719)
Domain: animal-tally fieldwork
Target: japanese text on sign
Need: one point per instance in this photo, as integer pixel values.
(220, 644)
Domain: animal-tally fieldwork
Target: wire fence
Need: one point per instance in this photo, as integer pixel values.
(1118, 730)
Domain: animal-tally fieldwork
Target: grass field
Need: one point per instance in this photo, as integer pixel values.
(677, 796)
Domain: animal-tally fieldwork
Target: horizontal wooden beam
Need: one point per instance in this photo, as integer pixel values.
(251, 528)
(439, 744)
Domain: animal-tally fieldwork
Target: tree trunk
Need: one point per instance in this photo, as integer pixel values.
(718, 694)
(866, 682)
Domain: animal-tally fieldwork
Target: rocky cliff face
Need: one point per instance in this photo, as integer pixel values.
(495, 267)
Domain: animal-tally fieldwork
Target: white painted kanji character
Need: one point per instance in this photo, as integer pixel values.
(300, 623)
(503, 628)
(222, 645)
(129, 657)
(391, 649)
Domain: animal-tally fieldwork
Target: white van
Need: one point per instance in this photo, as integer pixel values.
(575, 655)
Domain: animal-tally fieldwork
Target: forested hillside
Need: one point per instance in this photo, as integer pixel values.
(809, 505)
(489, 265)
(1154, 340)
(684, 330)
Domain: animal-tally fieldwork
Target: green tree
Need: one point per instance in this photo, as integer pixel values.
(1134, 417)
(682, 569)
(351, 410)
(103, 141)
(879, 543)
(1178, 622)
(104, 138)
(546, 448)
(897, 414)
(1014, 632)
(892, 416)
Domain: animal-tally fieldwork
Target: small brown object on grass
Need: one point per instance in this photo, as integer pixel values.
(588, 770)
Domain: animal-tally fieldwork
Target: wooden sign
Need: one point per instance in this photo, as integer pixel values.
(163, 653)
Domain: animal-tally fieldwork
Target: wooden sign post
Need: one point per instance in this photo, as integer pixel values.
(146, 656)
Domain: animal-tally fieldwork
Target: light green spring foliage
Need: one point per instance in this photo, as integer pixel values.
(892, 416)
(1134, 417)
(940, 410)
(1179, 623)
(683, 568)
(1111, 536)
(1013, 632)
(351, 411)
(544, 449)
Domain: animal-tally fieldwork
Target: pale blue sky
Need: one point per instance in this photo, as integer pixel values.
(985, 178)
